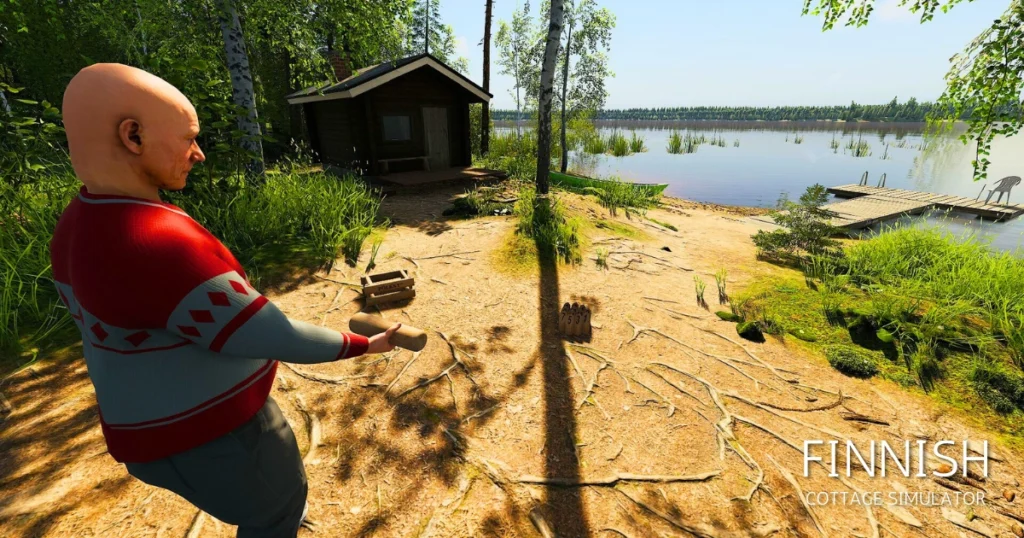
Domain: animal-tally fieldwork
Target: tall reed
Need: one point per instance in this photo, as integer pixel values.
(636, 143)
(675, 143)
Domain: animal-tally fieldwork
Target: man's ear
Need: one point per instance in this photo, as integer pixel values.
(129, 131)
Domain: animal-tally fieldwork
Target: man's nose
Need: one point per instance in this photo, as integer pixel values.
(197, 155)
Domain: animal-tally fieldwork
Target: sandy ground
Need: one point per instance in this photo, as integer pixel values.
(674, 426)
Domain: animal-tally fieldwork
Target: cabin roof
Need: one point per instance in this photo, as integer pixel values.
(368, 78)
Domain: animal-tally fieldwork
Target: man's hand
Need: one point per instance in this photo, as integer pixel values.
(381, 343)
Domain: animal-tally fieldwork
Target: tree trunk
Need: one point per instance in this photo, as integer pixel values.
(242, 93)
(565, 89)
(426, 35)
(485, 114)
(547, 82)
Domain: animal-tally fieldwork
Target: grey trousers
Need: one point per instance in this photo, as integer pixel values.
(252, 477)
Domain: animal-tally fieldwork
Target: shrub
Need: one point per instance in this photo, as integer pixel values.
(851, 361)
(1002, 389)
(615, 194)
(807, 228)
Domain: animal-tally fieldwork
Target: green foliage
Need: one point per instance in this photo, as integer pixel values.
(602, 258)
(543, 219)
(834, 144)
(636, 143)
(851, 361)
(29, 305)
(428, 32)
(477, 202)
(962, 275)
(699, 286)
(373, 254)
(316, 213)
(797, 139)
(858, 148)
(616, 194)
(513, 153)
(519, 48)
(736, 143)
(618, 145)
(1001, 388)
(720, 277)
(31, 137)
(663, 224)
(675, 143)
(807, 228)
(728, 316)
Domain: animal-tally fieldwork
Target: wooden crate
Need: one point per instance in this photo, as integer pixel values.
(388, 287)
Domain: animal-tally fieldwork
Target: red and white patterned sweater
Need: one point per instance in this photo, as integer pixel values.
(180, 348)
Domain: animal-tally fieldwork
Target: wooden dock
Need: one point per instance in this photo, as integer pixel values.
(869, 205)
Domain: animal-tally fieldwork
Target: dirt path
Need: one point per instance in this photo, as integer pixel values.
(679, 428)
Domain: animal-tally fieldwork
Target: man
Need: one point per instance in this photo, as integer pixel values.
(181, 350)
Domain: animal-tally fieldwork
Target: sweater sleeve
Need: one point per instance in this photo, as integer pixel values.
(227, 315)
(209, 301)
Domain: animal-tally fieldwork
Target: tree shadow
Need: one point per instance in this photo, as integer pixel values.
(48, 433)
(564, 507)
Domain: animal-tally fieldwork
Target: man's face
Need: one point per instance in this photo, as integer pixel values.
(172, 148)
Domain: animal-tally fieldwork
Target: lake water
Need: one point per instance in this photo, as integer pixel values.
(766, 165)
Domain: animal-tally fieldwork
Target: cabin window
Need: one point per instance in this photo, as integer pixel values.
(397, 128)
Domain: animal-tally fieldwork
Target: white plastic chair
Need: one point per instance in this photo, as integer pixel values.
(1003, 186)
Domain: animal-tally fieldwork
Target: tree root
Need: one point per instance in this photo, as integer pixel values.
(702, 531)
(339, 380)
(456, 363)
(676, 386)
(541, 524)
(415, 356)
(480, 414)
(797, 421)
(769, 367)
(826, 407)
(196, 527)
(670, 311)
(671, 406)
(313, 426)
(638, 330)
(799, 492)
(330, 307)
(857, 417)
(615, 478)
(662, 260)
(451, 255)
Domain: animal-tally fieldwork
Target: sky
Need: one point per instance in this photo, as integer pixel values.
(751, 52)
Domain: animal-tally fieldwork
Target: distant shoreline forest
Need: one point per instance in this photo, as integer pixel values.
(894, 111)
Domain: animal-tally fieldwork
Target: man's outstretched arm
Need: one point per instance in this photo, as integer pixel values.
(226, 315)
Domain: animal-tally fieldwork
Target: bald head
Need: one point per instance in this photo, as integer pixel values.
(129, 132)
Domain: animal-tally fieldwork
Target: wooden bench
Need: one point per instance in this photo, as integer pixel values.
(385, 163)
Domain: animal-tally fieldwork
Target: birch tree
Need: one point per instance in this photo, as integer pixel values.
(519, 57)
(242, 93)
(588, 31)
(547, 90)
(485, 110)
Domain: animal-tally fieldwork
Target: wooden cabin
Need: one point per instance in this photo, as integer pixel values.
(411, 114)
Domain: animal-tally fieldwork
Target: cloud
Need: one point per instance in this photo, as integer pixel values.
(892, 11)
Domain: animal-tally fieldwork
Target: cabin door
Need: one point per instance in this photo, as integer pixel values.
(435, 123)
